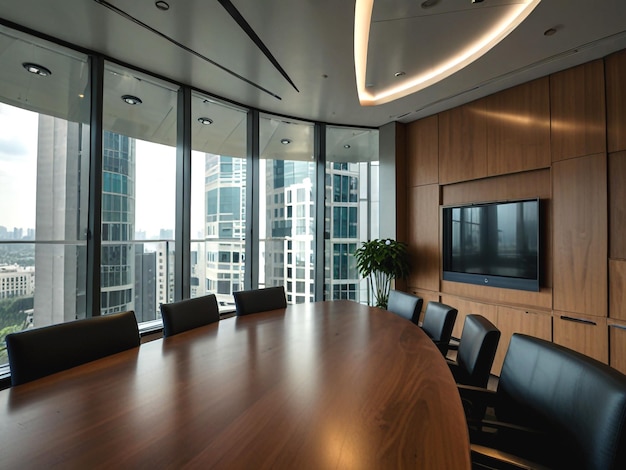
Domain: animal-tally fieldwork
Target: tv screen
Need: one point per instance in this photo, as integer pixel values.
(493, 244)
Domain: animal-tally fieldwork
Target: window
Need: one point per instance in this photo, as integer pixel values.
(352, 180)
(287, 175)
(44, 194)
(44, 168)
(138, 193)
(218, 195)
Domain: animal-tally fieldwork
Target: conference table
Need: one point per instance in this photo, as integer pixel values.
(327, 385)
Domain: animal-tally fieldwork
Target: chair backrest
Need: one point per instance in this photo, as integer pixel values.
(259, 300)
(188, 314)
(477, 349)
(579, 401)
(406, 305)
(438, 324)
(43, 351)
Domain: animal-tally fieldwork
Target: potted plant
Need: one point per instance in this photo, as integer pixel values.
(381, 261)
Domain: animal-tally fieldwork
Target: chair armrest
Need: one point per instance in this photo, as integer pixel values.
(486, 457)
(475, 401)
(477, 394)
(504, 426)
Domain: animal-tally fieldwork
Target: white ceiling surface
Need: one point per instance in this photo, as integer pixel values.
(313, 41)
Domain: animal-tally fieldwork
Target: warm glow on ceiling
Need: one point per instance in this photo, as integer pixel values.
(470, 49)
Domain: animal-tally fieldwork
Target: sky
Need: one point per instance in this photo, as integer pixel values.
(18, 163)
(154, 185)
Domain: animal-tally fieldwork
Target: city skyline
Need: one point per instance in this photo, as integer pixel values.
(156, 165)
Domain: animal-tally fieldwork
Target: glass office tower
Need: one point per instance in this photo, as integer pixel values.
(225, 189)
(117, 272)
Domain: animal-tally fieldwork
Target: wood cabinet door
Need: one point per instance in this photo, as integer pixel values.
(578, 111)
(617, 289)
(513, 320)
(467, 307)
(463, 143)
(617, 341)
(422, 153)
(518, 128)
(615, 70)
(580, 229)
(423, 236)
(617, 204)
(586, 335)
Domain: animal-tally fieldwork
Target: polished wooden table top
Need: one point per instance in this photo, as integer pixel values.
(323, 386)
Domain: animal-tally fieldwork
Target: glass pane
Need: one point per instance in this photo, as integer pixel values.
(218, 200)
(138, 193)
(286, 207)
(44, 170)
(352, 180)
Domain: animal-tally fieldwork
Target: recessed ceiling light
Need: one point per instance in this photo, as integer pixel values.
(347, 146)
(132, 100)
(549, 32)
(399, 74)
(205, 120)
(37, 69)
(285, 141)
(161, 5)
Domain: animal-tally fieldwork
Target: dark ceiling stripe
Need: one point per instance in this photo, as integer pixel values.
(241, 21)
(182, 46)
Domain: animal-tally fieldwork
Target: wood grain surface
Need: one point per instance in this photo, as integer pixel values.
(324, 385)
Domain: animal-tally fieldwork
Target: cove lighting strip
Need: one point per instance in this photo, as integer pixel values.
(465, 56)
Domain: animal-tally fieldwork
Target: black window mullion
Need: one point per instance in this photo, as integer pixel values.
(94, 218)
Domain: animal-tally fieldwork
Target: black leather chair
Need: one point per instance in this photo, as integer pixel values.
(259, 300)
(438, 324)
(405, 305)
(188, 314)
(476, 351)
(554, 407)
(43, 351)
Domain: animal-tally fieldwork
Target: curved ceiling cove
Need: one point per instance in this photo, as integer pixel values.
(459, 32)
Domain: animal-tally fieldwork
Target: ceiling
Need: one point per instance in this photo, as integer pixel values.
(296, 58)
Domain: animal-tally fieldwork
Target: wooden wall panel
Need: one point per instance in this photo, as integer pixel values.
(401, 191)
(518, 128)
(512, 320)
(423, 229)
(588, 335)
(617, 290)
(528, 184)
(463, 143)
(524, 185)
(615, 71)
(617, 346)
(580, 235)
(577, 104)
(423, 151)
(617, 204)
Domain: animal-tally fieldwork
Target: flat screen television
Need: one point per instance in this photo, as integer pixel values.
(493, 244)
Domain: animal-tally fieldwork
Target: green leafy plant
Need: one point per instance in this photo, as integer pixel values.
(380, 261)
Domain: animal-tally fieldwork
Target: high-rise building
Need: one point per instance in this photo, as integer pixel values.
(290, 226)
(62, 170)
(223, 252)
(62, 163)
(117, 277)
(341, 229)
